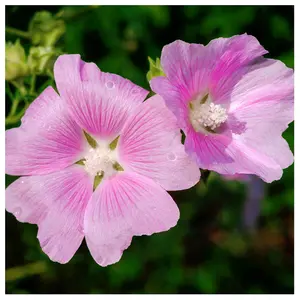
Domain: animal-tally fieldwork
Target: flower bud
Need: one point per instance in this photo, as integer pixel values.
(15, 61)
(45, 30)
(40, 59)
(155, 69)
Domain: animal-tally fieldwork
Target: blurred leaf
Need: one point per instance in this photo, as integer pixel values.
(24, 271)
(45, 29)
(280, 27)
(287, 58)
(206, 280)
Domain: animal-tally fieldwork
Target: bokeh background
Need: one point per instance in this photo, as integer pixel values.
(234, 236)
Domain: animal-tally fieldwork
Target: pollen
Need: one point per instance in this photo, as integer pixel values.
(206, 116)
(100, 161)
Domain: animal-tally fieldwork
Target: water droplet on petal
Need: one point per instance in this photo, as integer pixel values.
(17, 212)
(135, 91)
(22, 181)
(110, 85)
(171, 156)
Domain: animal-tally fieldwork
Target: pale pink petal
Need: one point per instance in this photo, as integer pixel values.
(227, 155)
(266, 80)
(261, 107)
(173, 99)
(187, 68)
(263, 123)
(185, 65)
(99, 102)
(125, 205)
(237, 52)
(196, 69)
(22, 202)
(56, 203)
(150, 144)
(48, 139)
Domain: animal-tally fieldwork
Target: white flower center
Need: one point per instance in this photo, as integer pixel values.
(100, 161)
(205, 115)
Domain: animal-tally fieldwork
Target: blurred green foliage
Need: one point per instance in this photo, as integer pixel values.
(207, 252)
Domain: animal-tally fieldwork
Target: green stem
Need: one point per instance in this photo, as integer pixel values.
(32, 84)
(13, 107)
(8, 91)
(20, 87)
(9, 120)
(20, 33)
(49, 74)
(16, 273)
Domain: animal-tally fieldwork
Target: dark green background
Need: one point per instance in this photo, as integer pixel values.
(206, 252)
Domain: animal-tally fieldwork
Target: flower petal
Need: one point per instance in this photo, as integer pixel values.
(237, 52)
(99, 102)
(264, 123)
(125, 205)
(48, 139)
(173, 99)
(266, 80)
(263, 101)
(227, 155)
(185, 66)
(56, 203)
(150, 144)
(195, 69)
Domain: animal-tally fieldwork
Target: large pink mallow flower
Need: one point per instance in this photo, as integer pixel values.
(56, 193)
(232, 104)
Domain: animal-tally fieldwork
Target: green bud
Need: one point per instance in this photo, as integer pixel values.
(155, 69)
(15, 61)
(45, 30)
(41, 59)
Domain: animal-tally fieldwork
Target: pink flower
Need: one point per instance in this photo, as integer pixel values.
(57, 194)
(231, 103)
